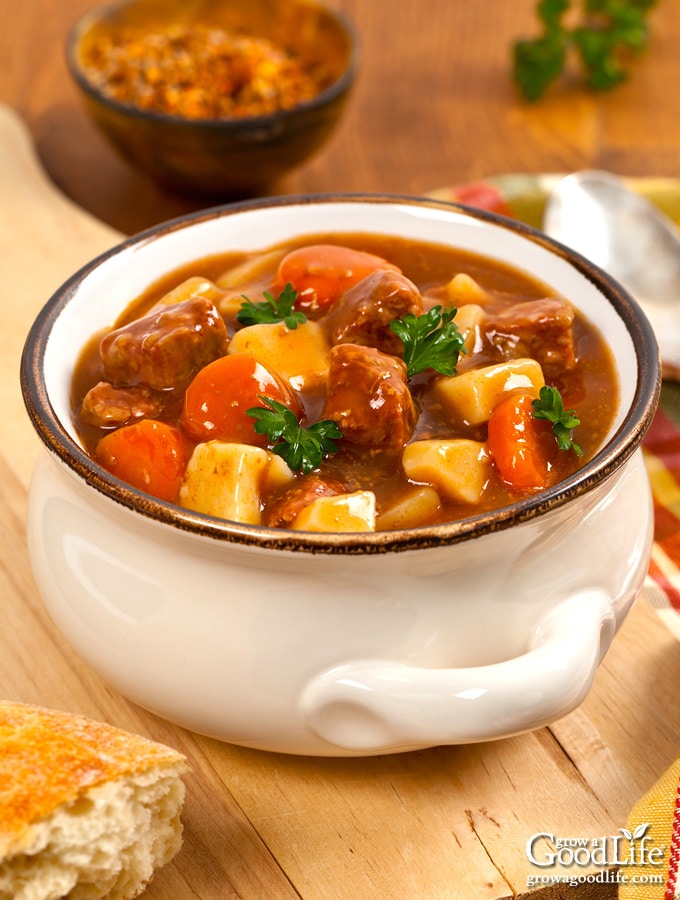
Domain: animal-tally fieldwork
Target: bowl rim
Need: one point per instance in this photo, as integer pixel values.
(609, 459)
(327, 96)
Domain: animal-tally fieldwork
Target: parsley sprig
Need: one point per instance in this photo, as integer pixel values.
(600, 38)
(270, 310)
(302, 448)
(551, 407)
(431, 341)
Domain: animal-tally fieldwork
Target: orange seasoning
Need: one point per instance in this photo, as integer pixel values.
(201, 72)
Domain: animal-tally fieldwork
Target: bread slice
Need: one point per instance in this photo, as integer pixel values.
(86, 810)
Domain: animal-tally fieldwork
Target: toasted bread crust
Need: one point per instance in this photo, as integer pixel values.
(48, 758)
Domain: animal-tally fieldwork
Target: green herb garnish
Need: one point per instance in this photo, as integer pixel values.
(605, 31)
(302, 448)
(269, 310)
(549, 406)
(431, 341)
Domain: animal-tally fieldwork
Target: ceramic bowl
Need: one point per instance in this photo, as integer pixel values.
(339, 644)
(227, 157)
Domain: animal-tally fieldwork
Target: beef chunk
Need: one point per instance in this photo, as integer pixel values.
(369, 398)
(541, 329)
(105, 405)
(166, 348)
(362, 315)
(285, 509)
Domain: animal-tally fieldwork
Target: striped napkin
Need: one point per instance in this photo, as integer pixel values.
(656, 819)
(661, 450)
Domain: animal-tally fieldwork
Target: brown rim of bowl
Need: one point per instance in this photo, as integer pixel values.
(606, 461)
(339, 87)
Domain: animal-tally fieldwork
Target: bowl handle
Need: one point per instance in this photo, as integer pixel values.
(372, 705)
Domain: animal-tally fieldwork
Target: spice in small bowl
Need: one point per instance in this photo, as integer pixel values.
(202, 72)
(219, 99)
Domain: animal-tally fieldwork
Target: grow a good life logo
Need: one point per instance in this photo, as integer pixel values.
(610, 859)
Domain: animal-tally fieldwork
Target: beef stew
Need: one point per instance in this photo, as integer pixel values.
(193, 394)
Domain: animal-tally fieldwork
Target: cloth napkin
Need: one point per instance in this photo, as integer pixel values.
(661, 449)
(657, 817)
(523, 197)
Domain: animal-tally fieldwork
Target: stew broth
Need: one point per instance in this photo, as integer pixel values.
(498, 303)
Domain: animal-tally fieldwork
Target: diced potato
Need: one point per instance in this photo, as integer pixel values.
(276, 475)
(230, 305)
(458, 469)
(300, 356)
(250, 269)
(463, 289)
(251, 277)
(469, 320)
(228, 480)
(471, 396)
(414, 509)
(342, 512)
(192, 287)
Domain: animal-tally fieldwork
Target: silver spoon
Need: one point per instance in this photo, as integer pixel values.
(597, 215)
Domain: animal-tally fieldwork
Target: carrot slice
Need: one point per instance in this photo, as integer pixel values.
(217, 399)
(520, 444)
(320, 273)
(149, 455)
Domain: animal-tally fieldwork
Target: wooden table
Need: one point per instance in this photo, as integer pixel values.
(433, 106)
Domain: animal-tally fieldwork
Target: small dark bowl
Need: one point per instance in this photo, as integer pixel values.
(228, 157)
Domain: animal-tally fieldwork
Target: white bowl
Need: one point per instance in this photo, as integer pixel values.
(339, 644)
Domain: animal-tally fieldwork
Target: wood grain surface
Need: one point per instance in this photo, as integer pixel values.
(433, 106)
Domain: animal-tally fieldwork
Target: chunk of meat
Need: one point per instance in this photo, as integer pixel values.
(107, 406)
(166, 348)
(362, 315)
(283, 511)
(369, 398)
(541, 329)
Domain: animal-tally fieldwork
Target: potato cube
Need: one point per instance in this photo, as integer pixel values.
(192, 287)
(458, 469)
(250, 269)
(341, 512)
(471, 396)
(230, 306)
(276, 474)
(228, 480)
(415, 508)
(468, 320)
(463, 289)
(249, 278)
(300, 356)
